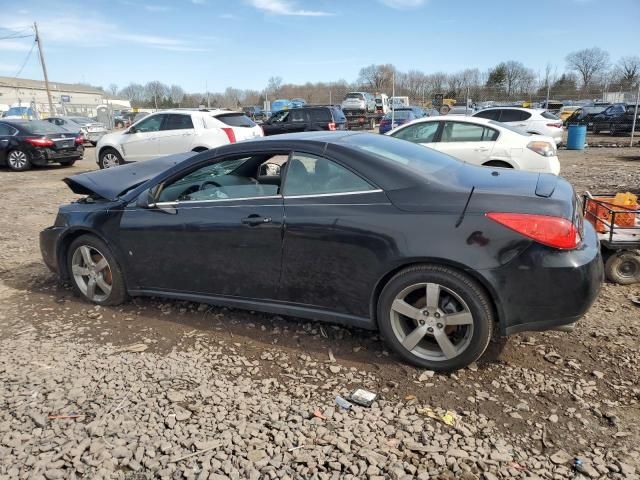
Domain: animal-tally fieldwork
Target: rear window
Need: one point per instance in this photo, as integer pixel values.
(550, 116)
(358, 96)
(338, 116)
(321, 115)
(400, 152)
(236, 120)
(40, 127)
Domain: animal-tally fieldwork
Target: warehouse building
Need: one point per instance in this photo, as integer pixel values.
(67, 98)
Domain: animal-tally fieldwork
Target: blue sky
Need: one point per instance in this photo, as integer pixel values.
(241, 43)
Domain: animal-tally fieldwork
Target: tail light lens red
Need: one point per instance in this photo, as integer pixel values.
(332, 126)
(554, 232)
(79, 140)
(230, 134)
(40, 141)
(556, 125)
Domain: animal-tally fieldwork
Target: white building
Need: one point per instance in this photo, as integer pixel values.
(67, 98)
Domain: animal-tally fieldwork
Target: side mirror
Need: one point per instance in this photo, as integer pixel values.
(132, 129)
(147, 201)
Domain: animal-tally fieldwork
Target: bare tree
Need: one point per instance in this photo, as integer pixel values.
(176, 93)
(274, 84)
(377, 77)
(134, 92)
(155, 91)
(113, 89)
(588, 63)
(628, 71)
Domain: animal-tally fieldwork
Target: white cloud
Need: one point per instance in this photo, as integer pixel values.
(15, 45)
(403, 4)
(285, 7)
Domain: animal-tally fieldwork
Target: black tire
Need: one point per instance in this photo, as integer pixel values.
(68, 163)
(19, 160)
(613, 130)
(497, 163)
(467, 289)
(623, 267)
(118, 293)
(108, 151)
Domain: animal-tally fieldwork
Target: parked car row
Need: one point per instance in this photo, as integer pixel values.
(90, 130)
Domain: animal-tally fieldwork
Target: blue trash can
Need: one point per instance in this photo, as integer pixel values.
(576, 137)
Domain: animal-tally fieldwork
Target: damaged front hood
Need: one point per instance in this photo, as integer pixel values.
(111, 183)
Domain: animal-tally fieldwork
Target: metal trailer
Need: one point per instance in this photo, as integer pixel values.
(619, 232)
(362, 118)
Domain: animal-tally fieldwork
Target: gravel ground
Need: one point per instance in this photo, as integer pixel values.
(159, 389)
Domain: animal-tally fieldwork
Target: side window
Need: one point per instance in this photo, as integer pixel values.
(467, 132)
(297, 116)
(488, 114)
(524, 115)
(150, 124)
(311, 175)
(176, 121)
(6, 129)
(225, 180)
(424, 132)
(320, 115)
(509, 115)
(280, 117)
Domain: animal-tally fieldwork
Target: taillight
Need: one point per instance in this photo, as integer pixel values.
(40, 142)
(79, 140)
(557, 125)
(543, 148)
(331, 125)
(554, 232)
(230, 134)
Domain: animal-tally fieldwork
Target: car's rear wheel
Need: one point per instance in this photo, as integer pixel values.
(623, 268)
(94, 272)
(109, 158)
(435, 317)
(497, 163)
(18, 160)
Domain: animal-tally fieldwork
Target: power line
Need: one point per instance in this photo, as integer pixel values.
(25, 60)
(11, 37)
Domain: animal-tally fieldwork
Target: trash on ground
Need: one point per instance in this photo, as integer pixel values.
(363, 397)
(342, 403)
(448, 418)
(319, 415)
(135, 348)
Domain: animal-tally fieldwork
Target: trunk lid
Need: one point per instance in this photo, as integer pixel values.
(111, 183)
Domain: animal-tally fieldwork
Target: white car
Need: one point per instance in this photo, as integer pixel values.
(483, 142)
(174, 131)
(530, 120)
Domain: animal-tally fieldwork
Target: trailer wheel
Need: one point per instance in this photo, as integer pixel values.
(623, 267)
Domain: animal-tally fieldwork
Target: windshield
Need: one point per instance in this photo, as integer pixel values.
(15, 111)
(236, 120)
(40, 127)
(401, 152)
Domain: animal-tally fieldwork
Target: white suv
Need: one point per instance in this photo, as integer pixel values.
(539, 122)
(174, 131)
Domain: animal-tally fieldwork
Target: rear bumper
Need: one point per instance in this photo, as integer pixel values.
(544, 288)
(49, 238)
(44, 156)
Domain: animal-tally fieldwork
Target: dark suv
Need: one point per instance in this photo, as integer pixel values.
(616, 118)
(305, 119)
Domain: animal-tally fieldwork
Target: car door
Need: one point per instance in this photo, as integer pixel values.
(424, 133)
(298, 120)
(211, 231)
(277, 123)
(7, 132)
(334, 236)
(467, 141)
(175, 135)
(139, 141)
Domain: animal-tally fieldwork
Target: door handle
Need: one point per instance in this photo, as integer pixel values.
(255, 220)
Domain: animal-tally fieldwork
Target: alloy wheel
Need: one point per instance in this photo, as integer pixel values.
(431, 321)
(18, 160)
(110, 160)
(92, 273)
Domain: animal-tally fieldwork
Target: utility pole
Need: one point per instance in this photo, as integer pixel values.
(44, 69)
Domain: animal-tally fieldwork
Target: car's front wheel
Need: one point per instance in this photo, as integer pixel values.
(109, 158)
(435, 317)
(94, 271)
